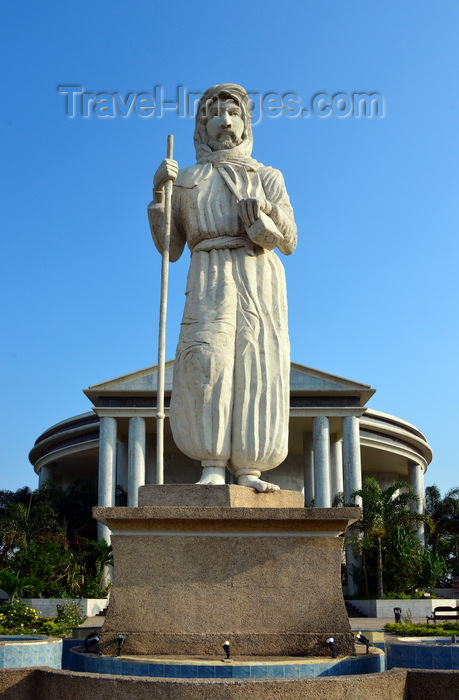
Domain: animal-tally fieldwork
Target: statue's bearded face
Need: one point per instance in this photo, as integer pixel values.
(225, 124)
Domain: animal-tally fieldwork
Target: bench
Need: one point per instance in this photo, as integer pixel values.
(444, 612)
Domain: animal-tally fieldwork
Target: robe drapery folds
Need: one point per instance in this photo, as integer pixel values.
(231, 385)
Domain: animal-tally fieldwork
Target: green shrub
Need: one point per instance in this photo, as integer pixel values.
(51, 627)
(16, 615)
(422, 629)
(413, 595)
(92, 589)
(70, 614)
(18, 618)
(390, 595)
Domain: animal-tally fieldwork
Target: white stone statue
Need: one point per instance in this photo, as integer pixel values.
(230, 397)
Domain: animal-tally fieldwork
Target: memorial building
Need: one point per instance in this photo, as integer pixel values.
(334, 441)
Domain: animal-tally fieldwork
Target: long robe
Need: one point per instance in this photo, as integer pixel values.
(230, 396)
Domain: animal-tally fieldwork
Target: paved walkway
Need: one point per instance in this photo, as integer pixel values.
(375, 623)
(96, 621)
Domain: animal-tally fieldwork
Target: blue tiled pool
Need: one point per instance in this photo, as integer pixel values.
(423, 653)
(297, 668)
(27, 650)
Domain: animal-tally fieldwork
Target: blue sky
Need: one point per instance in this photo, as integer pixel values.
(372, 287)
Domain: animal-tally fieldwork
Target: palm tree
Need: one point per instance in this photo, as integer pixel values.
(20, 523)
(15, 585)
(12, 506)
(32, 529)
(443, 533)
(102, 554)
(72, 505)
(383, 511)
(74, 573)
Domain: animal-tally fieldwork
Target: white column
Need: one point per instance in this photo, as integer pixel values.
(45, 474)
(308, 465)
(422, 492)
(136, 458)
(352, 470)
(416, 481)
(321, 444)
(107, 469)
(336, 459)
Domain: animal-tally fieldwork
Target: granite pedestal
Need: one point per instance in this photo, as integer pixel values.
(195, 565)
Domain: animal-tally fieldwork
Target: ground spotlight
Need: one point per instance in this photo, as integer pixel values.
(331, 645)
(363, 640)
(90, 641)
(121, 639)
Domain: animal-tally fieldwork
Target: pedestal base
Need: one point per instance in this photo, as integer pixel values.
(188, 577)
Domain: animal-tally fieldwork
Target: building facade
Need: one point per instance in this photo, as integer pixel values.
(334, 441)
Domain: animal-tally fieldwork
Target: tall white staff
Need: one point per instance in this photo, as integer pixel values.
(160, 416)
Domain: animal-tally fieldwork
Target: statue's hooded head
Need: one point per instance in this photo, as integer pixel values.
(222, 93)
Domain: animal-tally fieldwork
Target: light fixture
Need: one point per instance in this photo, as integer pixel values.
(121, 639)
(90, 641)
(331, 645)
(363, 640)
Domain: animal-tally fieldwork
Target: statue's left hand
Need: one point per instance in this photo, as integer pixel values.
(250, 209)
